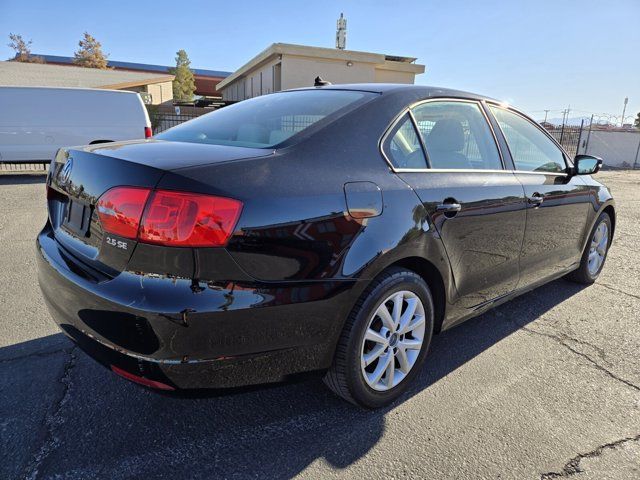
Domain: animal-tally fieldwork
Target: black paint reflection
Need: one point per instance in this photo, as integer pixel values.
(305, 249)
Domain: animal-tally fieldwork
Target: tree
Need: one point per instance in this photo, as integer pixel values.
(90, 53)
(637, 121)
(184, 84)
(23, 50)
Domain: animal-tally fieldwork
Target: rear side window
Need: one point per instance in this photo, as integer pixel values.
(267, 120)
(457, 136)
(403, 145)
(530, 148)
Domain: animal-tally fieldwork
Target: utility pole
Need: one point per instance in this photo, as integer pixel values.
(624, 109)
(565, 117)
(546, 112)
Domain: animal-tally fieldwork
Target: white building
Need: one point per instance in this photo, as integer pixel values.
(283, 66)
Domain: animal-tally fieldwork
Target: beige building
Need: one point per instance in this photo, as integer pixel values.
(156, 88)
(283, 66)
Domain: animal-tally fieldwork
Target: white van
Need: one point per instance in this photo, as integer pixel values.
(36, 121)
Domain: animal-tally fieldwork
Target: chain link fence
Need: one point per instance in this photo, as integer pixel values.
(619, 147)
(568, 136)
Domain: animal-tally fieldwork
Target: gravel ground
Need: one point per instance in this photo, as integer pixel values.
(546, 386)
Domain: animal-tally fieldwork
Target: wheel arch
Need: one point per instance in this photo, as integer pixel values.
(434, 280)
(432, 276)
(611, 211)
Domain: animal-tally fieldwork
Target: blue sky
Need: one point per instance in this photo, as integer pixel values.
(542, 54)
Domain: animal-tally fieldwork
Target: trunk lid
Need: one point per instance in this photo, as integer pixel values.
(76, 181)
(79, 176)
(166, 155)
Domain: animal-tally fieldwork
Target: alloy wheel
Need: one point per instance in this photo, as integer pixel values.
(393, 340)
(598, 249)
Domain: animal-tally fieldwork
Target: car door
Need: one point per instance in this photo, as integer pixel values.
(447, 152)
(558, 203)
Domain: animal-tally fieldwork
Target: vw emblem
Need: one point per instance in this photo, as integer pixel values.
(65, 173)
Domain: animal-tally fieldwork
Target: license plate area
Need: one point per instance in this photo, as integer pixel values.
(77, 218)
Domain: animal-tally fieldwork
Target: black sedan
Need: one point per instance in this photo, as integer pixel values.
(331, 229)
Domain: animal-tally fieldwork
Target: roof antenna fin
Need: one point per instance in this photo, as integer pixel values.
(318, 82)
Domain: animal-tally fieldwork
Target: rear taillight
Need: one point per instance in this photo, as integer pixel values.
(187, 219)
(148, 133)
(120, 209)
(168, 218)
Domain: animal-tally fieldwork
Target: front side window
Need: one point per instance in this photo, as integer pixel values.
(268, 120)
(403, 145)
(457, 136)
(531, 149)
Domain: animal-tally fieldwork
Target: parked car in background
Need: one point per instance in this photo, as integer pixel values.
(36, 121)
(330, 229)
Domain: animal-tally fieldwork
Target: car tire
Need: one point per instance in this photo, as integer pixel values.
(403, 357)
(598, 244)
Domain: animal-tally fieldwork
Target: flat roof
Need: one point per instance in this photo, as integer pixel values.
(322, 52)
(137, 66)
(42, 75)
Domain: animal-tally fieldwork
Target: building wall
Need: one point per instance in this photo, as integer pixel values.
(298, 72)
(617, 149)
(207, 85)
(160, 92)
(258, 82)
(390, 76)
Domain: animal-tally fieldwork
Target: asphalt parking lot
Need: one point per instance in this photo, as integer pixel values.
(546, 386)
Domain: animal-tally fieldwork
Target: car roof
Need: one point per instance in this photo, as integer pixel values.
(385, 88)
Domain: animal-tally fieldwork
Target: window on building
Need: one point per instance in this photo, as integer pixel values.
(277, 73)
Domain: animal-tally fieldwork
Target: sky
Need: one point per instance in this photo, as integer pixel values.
(537, 55)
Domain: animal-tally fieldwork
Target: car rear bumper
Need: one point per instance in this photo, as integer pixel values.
(186, 333)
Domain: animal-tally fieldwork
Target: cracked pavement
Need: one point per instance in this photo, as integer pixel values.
(546, 386)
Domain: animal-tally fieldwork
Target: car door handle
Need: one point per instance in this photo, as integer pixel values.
(535, 199)
(449, 207)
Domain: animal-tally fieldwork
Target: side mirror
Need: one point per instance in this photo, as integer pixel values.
(586, 165)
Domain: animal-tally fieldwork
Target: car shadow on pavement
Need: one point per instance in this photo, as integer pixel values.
(67, 416)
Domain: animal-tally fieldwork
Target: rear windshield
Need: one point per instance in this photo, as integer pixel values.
(267, 120)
